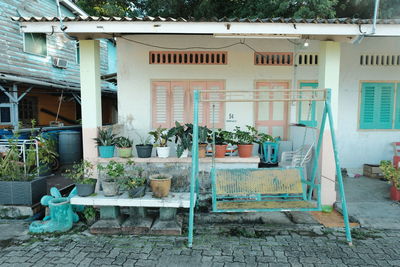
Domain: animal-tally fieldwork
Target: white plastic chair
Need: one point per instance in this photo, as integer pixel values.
(297, 158)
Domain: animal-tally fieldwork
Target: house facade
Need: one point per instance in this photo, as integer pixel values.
(161, 61)
(38, 69)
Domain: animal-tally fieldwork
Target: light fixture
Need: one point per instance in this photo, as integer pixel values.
(257, 35)
(306, 44)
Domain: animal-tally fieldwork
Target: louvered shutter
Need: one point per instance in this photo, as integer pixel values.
(376, 106)
(397, 112)
(216, 111)
(198, 85)
(161, 104)
(179, 102)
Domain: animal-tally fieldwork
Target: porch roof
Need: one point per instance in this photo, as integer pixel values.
(87, 27)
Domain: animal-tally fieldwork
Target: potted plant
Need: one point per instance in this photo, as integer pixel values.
(161, 137)
(105, 142)
(82, 175)
(145, 147)
(113, 171)
(204, 138)
(19, 181)
(244, 140)
(134, 181)
(48, 157)
(222, 139)
(261, 139)
(183, 138)
(160, 184)
(392, 174)
(124, 147)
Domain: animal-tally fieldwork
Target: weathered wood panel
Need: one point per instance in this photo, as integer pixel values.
(13, 59)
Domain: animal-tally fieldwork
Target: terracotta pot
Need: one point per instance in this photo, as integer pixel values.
(245, 151)
(220, 151)
(160, 187)
(202, 150)
(394, 193)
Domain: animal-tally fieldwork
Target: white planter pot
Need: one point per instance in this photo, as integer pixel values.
(163, 152)
(185, 153)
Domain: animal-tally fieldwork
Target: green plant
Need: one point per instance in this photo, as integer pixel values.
(161, 136)
(183, 137)
(123, 142)
(204, 135)
(144, 141)
(81, 173)
(245, 137)
(89, 213)
(47, 151)
(263, 137)
(113, 170)
(391, 173)
(223, 137)
(128, 183)
(105, 137)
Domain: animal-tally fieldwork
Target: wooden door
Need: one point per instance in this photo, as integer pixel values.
(272, 117)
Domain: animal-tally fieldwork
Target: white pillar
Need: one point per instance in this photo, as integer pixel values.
(329, 72)
(90, 95)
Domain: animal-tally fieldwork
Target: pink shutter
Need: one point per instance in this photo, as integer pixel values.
(215, 110)
(198, 85)
(179, 101)
(161, 106)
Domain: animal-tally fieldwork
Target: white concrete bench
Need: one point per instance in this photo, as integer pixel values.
(138, 222)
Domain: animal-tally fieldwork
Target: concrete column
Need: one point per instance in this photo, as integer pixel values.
(90, 95)
(329, 72)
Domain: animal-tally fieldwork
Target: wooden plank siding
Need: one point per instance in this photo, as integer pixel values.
(13, 59)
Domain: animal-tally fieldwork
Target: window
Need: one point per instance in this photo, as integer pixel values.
(189, 57)
(379, 60)
(5, 114)
(307, 59)
(273, 59)
(380, 106)
(173, 101)
(307, 108)
(35, 43)
(28, 110)
(78, 55)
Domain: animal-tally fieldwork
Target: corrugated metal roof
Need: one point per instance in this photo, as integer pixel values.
(244, 20)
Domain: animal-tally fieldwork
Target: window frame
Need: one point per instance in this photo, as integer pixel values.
(395, 95)
(10, 106)
(32, 53)
(313, 122)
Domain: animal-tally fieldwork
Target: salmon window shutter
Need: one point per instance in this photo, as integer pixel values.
(198, 85)
(161, 104)
(179, 102)
(216, 110)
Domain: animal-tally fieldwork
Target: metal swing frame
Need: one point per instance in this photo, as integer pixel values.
(289, 95)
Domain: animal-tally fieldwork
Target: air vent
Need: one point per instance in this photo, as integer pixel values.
(273, 59)
(307, 59)
(379, 60)
(190, 57)
(60, 63)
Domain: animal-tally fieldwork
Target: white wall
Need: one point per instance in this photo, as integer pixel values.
(135, 73)
(356, 147)
(363, 146)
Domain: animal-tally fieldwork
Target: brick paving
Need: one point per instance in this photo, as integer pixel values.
(214, 246)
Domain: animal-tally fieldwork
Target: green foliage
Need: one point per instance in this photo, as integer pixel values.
(160, 177)
(128, 183)
(105, 137)
(390, 173)
(144, 141)
(89, 213)
(81, 173)
(183, 137)
(118, 8)
(161, 136)
(113, 170)
(245, 137)
(262, 138)
(223, 137)
(365, 9)
(204, 135)
(123, 142)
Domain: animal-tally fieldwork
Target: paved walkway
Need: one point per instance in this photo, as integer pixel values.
(214, 246)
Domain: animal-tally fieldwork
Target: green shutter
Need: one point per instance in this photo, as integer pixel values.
(397, 111)
(311, 121)
(377, 106)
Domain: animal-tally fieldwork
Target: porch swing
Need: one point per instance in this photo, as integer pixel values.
(284, 188)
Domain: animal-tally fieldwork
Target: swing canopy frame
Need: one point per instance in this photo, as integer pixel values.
(269, 189)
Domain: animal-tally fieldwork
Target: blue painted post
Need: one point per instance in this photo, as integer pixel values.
(338, 170)
(318, 151)
(195, 163)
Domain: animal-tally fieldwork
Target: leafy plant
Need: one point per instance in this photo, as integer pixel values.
(245, 137)
(183, 137)
(391, 173)
(204, 135)
(144, 141)
(123, 142)
(160, 177)
(223, 137)
(89, 213)
(47, 151)
(81, 173)
(161, 136)
(113, 170)
(128, 183)
(105, 137)
(263, 137)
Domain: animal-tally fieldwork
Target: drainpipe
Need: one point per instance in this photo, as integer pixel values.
(62, 26)
(375, 16)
